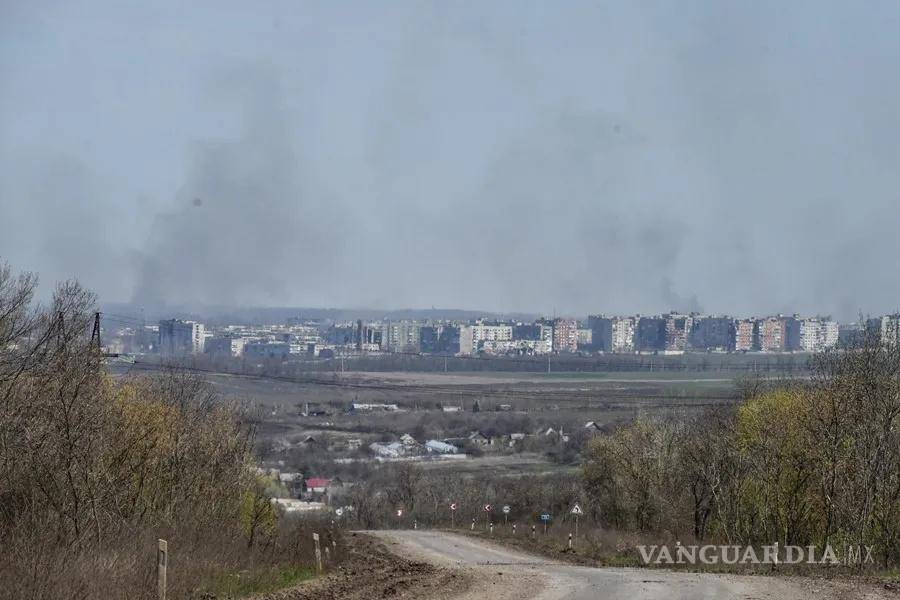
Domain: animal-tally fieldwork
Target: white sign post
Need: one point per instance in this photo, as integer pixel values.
(506, 514)
(162, 561)
(452, 515)
(576, 510)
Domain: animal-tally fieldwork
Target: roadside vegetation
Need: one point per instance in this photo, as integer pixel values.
(812, 463)
(93, 469)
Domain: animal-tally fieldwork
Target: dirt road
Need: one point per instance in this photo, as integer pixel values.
(499, 572)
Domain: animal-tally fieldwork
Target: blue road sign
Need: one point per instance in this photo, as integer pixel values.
(545, 517)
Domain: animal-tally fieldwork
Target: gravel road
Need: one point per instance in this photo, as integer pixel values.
(499, 572)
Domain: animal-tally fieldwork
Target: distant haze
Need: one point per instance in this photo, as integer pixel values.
(540, 157)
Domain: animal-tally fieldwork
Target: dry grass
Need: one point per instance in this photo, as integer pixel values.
(207, 563)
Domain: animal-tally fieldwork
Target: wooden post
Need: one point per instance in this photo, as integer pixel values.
(318, 553)
(162, 561)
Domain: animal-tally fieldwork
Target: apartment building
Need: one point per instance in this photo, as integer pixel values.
(771, 334)
(181, 338)
(565, 335)
(712, 333)
(677, 329)
(402, 336)
(745, 335)
(623, 334)
(810, 334)
(472, 336)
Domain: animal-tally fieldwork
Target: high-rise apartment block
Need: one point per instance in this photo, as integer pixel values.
(565, 335)
(712, 333)
(771, 334)
(745, 335)
(181, 338)
(677, 330)
(471, 336)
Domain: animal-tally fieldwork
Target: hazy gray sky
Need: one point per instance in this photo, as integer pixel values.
(736, 157)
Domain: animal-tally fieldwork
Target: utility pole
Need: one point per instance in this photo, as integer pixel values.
(95, 333)
(60, 330)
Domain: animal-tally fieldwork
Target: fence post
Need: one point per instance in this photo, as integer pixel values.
(162, 561)
(570, 540)
(318, 553)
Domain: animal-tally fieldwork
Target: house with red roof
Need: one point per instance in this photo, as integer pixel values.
(321, 485)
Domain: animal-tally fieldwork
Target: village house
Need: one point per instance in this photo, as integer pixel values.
(320, 485)
(476, 438)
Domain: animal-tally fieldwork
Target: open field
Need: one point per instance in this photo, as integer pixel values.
(440, 405)
(289, 411)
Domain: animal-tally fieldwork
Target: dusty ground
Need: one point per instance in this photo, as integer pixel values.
(371, 571)
(498, 572)
(431, 565)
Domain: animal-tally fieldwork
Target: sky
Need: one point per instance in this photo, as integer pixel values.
(548, 157)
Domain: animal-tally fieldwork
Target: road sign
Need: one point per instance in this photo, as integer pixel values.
(488, 508)
(545, 517)
(339, 511)
(506, 509)
(576, 510)
(453, 506)
(399, 512)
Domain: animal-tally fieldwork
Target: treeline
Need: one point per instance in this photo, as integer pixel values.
(94, 469)
(816, 462)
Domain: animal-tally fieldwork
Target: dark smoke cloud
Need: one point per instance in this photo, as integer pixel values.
(250, 221)
(616, 158)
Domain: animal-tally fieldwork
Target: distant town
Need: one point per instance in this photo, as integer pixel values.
(667, 334)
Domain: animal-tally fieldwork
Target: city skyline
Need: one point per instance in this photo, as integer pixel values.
(666, 334)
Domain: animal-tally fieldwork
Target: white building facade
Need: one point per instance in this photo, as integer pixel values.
(471, 337)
